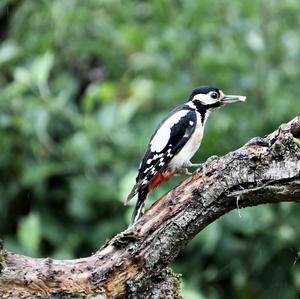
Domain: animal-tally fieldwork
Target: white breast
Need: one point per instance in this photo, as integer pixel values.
(190, 148)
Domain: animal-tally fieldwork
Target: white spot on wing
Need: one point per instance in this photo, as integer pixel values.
(169, 153)
(156, 156)
(191, 123)
(162, 136)
(147, 169)
(149, 161)
(153, 171)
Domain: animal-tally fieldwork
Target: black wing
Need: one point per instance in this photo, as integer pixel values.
(154, 162)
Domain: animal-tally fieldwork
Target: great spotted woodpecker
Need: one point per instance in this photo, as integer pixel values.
(175, 141)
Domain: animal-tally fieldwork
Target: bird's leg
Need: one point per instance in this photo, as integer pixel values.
(190, 164)
(202, 167)
(183, 170)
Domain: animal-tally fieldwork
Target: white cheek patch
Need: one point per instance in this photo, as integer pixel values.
(162, 136)
(156, 156)
(191, 105)
(205, 99)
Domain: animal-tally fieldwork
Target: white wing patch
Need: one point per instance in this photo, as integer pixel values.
(162, 136)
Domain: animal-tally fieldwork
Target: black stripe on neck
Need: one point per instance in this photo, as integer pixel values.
(202, 109)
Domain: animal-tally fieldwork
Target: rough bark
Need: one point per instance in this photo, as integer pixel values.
(134, 263)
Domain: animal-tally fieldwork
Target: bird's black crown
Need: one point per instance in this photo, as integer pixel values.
(203, 90)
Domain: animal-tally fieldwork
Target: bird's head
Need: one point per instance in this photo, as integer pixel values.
(209, 98)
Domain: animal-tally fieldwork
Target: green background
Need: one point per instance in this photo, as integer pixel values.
(83, 84)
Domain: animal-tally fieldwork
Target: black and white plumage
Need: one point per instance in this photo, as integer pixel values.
(175, 141)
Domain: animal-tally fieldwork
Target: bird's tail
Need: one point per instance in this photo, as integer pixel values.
(139, 207)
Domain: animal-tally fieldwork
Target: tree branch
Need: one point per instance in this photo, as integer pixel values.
(133, 264)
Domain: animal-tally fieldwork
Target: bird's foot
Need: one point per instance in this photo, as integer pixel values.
(195, 165)
(183, 171)
(190, 164)
(212, 158)
(202, 167)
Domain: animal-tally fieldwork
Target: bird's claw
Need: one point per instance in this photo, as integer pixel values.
(183, 171)
(212, 158)
(202, 167)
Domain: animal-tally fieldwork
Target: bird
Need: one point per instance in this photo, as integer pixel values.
(175, 141)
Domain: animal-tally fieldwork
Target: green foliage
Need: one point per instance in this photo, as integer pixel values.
(83, 85)
(29, 233)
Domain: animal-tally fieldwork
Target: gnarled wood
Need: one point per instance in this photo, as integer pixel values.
(133, 264)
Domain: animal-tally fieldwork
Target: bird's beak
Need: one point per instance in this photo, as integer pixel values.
(233, 99)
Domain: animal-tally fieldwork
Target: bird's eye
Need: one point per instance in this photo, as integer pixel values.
(214, 95)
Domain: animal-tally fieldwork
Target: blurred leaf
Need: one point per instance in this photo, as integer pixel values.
(98, 92)
(142, 89)
(126, 183)
(38, 172)
(189, 292)
(209, 237)
(40, 68)
(8, 51)
(29, 233)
